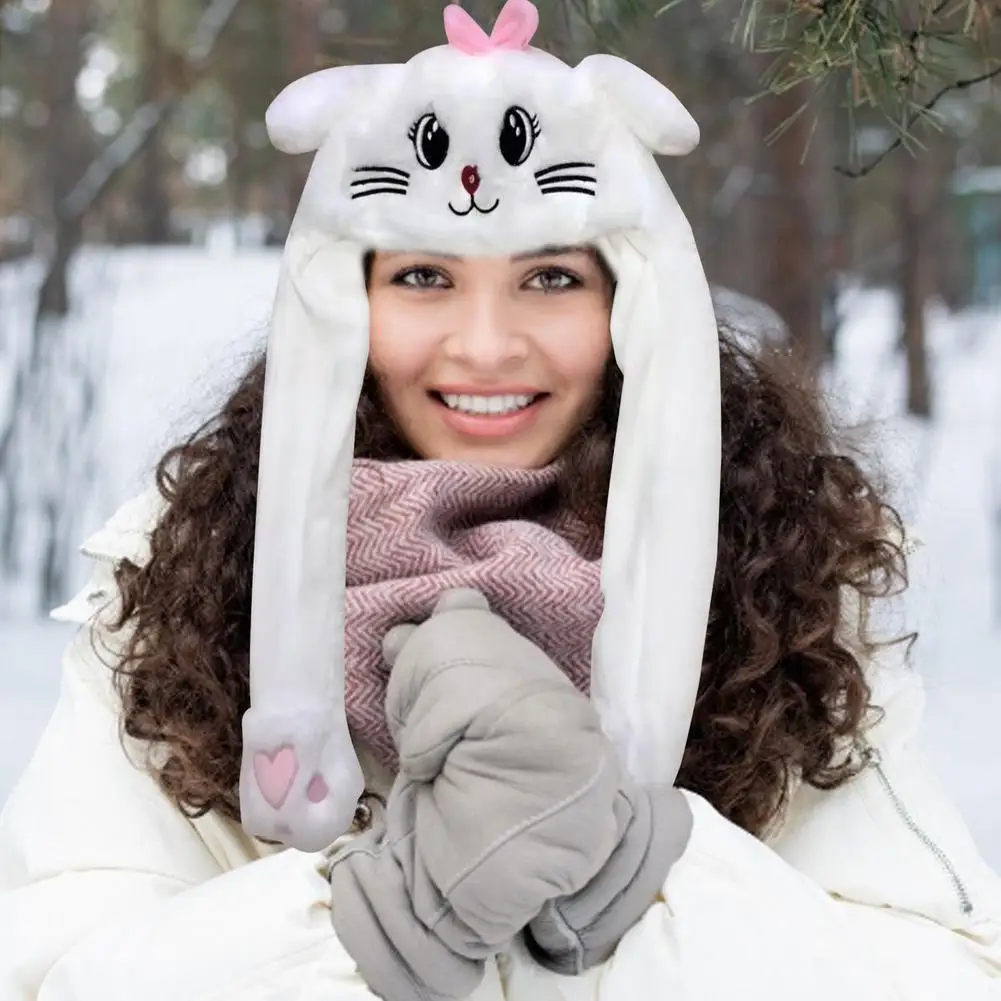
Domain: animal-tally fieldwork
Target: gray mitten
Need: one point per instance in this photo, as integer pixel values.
(574, 933)
(505, 800)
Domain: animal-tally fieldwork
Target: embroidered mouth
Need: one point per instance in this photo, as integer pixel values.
(472, 206)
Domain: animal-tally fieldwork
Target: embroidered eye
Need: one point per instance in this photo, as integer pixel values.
(518, 135)
(430, 141)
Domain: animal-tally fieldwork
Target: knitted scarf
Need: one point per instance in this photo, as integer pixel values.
(418, 528)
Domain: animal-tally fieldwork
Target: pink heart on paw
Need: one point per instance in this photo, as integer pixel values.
(275, 774)
(317, 790)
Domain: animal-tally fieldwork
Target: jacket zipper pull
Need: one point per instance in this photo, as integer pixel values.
(874, 759)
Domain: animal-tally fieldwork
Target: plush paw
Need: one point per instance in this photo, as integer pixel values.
(300, 779)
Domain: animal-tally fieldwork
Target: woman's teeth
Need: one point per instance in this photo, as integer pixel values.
(487, 404)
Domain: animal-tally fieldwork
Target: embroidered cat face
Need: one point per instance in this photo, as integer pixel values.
(471, 162)
(517, 135)
(482, 153)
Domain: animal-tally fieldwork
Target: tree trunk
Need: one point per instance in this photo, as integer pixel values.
(154, 204)
(238, 180)
(53, 295)
(47, 441)
(53, 393)
(302, 56)
(917, 273)
(835, 227)
(63, 139)
(579, 38)
(181, 73)
(791, 278)
(27, 479)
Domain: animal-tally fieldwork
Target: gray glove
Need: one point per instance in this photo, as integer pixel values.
(506, 808)
(574, 933)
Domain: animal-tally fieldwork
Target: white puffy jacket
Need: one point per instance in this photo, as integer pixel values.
(108, 893)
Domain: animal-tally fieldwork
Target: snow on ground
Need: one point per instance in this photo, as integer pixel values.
(184, 327)
(171, 328)
(174, 327)
(947, 482)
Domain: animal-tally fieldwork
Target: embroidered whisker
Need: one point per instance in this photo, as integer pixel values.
(568, 190)
(396, 181)
(570, 165)
(559, 178)
(382, 170)
(379, 191)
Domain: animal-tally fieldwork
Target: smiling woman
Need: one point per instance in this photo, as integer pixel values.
(497, 359)
(605, 661)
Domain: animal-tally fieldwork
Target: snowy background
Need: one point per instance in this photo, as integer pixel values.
(169, 329)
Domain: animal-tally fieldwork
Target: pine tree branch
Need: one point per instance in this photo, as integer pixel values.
(899, 59)
(972, 81)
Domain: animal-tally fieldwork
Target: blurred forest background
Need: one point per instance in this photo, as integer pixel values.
(846, 197)
(844, 142)
(141, 121)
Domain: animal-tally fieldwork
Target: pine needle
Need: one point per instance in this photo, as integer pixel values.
(896, 57)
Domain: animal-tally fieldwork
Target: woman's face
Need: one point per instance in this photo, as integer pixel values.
(495, 360)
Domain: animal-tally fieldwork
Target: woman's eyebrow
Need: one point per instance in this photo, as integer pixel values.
(554, 251)
(548, 252)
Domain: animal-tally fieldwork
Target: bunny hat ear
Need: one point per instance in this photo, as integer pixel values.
(300, 777)
(657, 118)
(662, 516)
(301, 116)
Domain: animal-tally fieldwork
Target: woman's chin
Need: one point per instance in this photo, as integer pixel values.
(506, 456)
(521, 452)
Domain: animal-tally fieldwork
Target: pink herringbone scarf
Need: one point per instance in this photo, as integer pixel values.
(417, 528)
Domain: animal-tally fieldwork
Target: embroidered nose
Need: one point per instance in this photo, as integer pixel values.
(470, 179)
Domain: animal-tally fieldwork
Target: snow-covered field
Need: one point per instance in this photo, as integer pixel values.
(947, 479)
(174, 327)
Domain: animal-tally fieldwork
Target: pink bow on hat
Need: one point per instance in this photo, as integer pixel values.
(515, 27)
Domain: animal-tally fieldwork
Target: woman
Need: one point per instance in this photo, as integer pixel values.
(808, 851)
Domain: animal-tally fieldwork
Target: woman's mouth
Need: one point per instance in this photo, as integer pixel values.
(489, 415)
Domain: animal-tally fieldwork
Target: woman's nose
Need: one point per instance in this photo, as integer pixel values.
(486, 335)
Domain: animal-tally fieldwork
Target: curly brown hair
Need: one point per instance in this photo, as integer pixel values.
(782, 693)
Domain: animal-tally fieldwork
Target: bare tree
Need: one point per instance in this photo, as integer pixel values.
(302, 56)
(789, 224)
(64, 137)
(47, 440)
(915, 213)
(64, 146)
(181, 74)
(154, 206)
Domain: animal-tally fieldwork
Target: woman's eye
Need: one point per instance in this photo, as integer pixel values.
(420, 278)
(554, 280)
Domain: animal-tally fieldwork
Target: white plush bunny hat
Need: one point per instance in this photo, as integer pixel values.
(483, 146)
